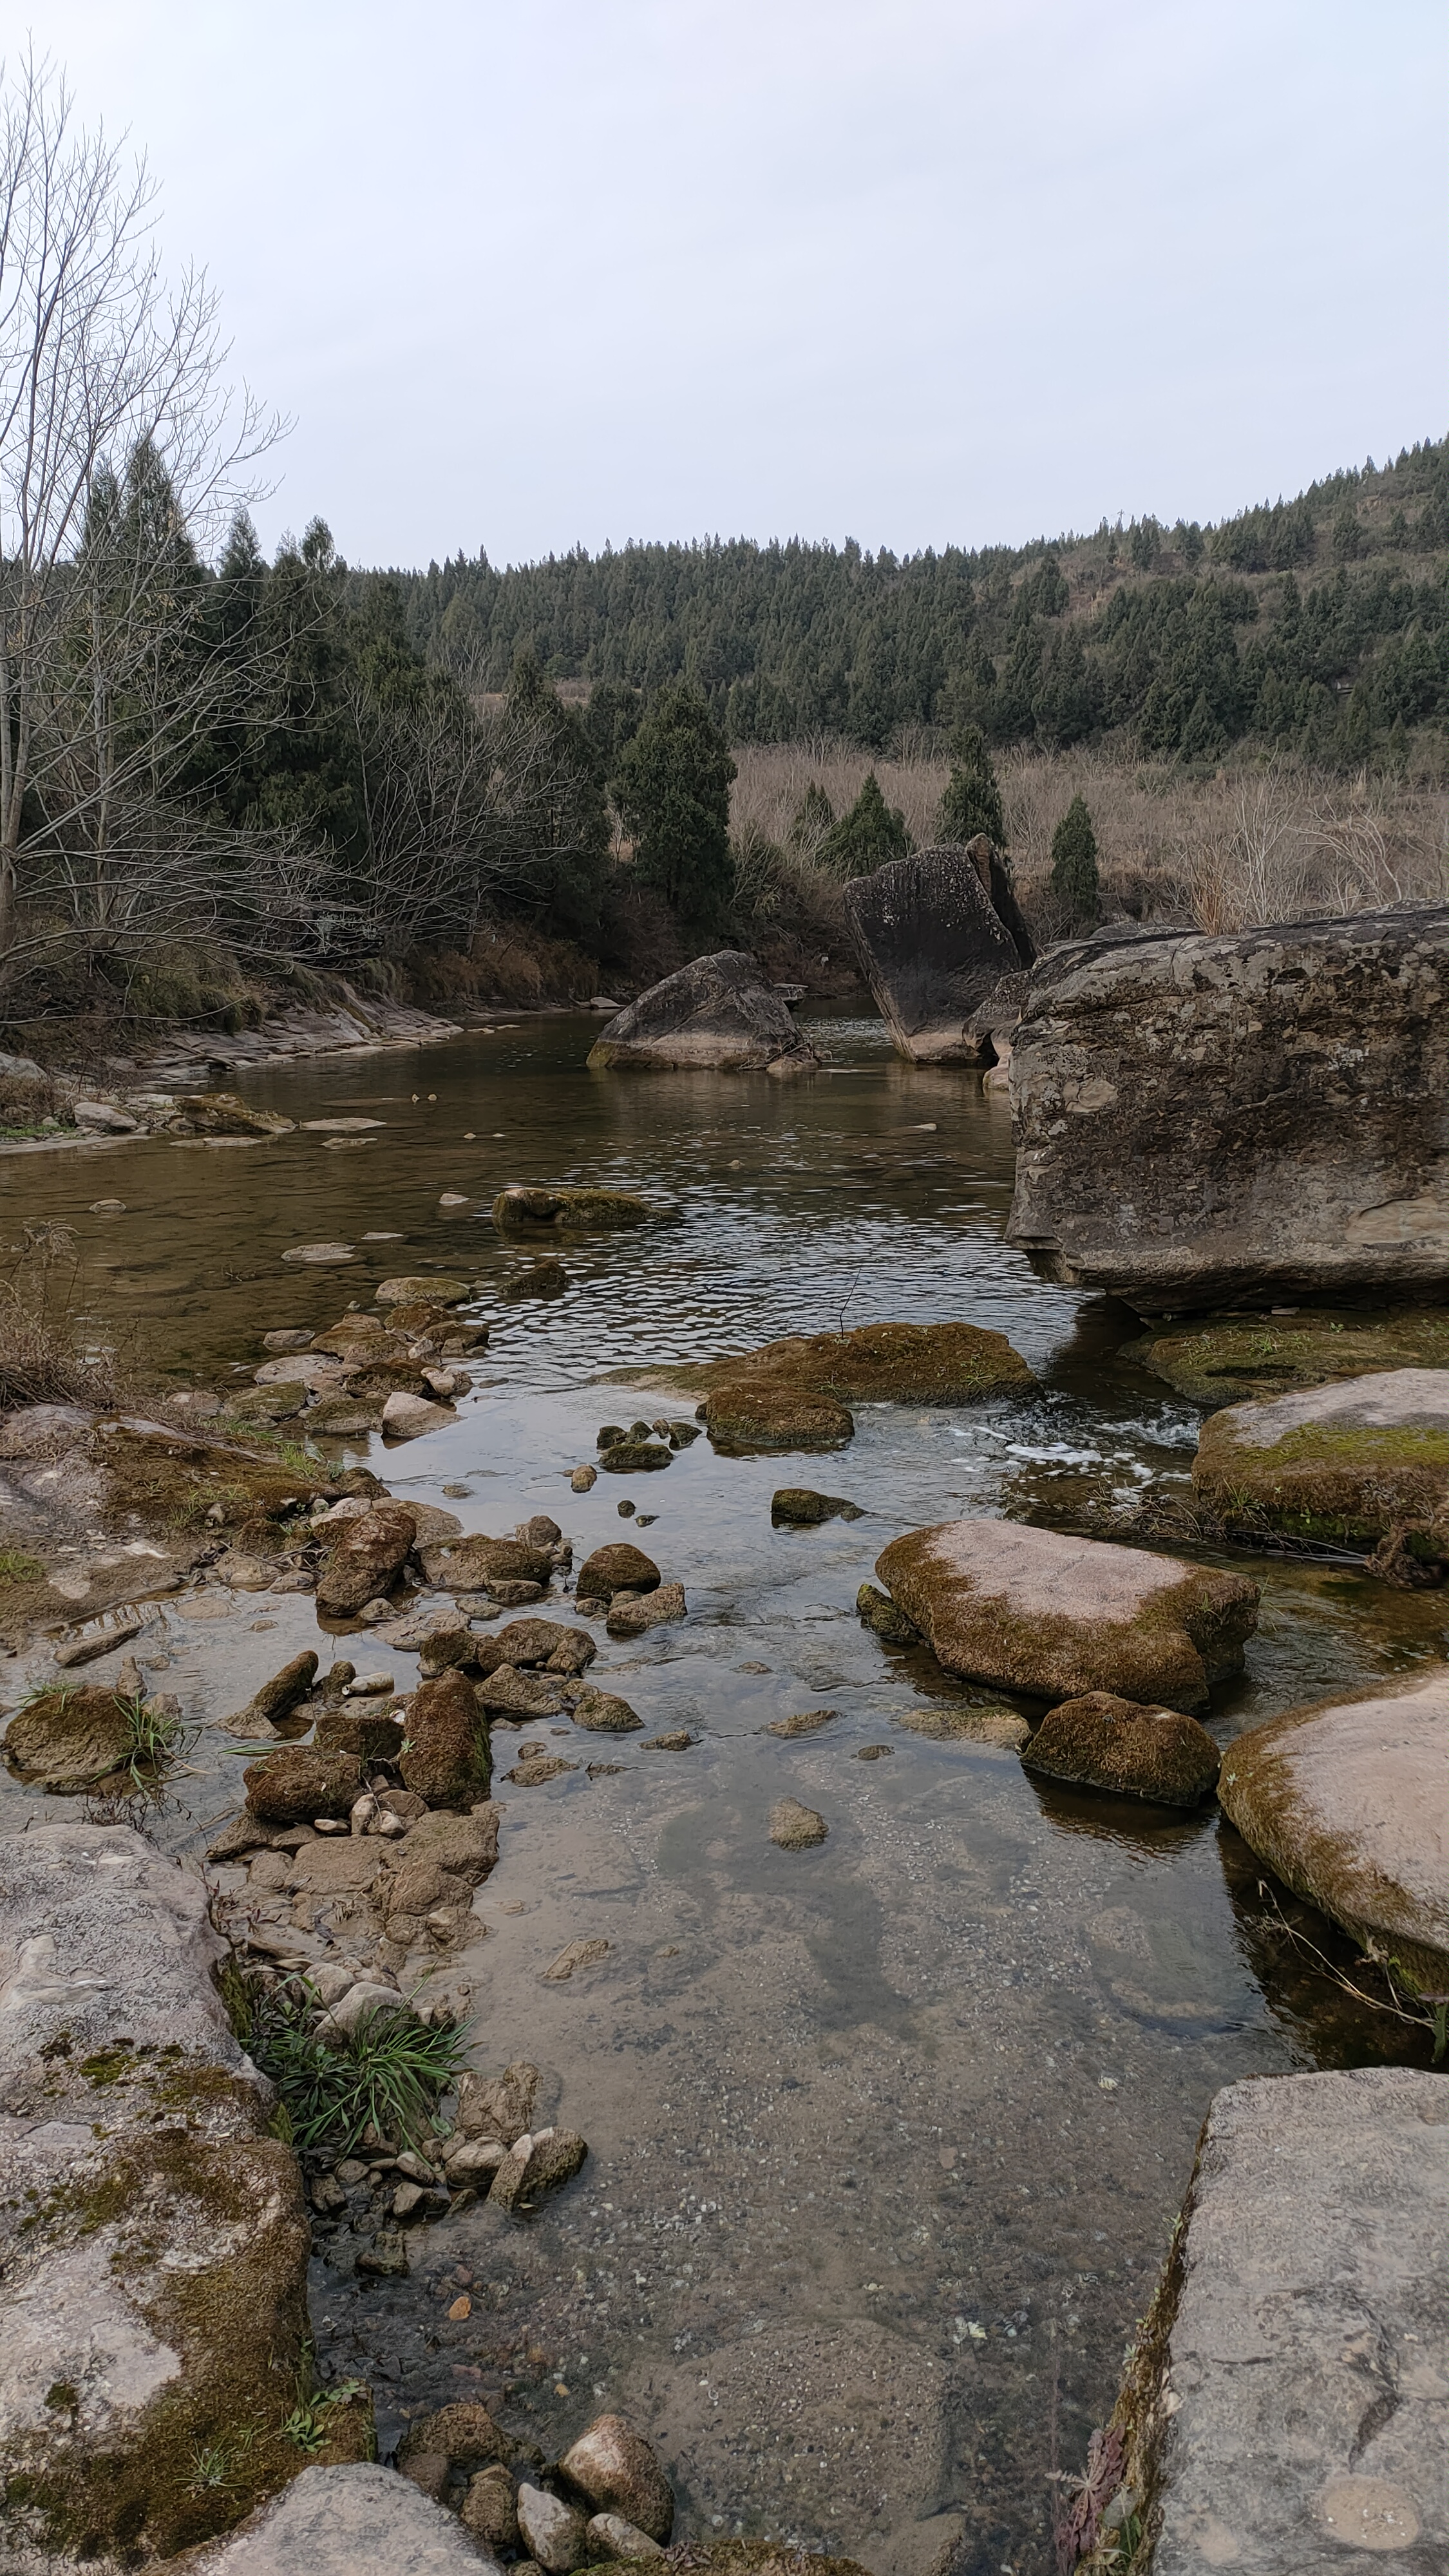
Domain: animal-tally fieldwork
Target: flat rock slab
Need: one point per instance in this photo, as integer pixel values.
(1030, 1610)
(1340, 1462)
(936, 934)
(717, 1013)
(1202, 1119)
(338, 2522)
(1229, 1359)
(1348, 1801)
(1288, 2411)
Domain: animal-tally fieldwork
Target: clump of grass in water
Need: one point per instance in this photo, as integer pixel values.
(45, 1353)
(389, 2073)
(157, 1737)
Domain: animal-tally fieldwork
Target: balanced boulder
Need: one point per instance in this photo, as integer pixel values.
(936, 934)
(1102, 1742)
(1202, 1119)
(1348, 1801)
(718, 1012)
(1030, 1610)
(1345, 1462)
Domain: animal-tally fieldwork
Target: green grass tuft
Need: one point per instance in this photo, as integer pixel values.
(389, 2073)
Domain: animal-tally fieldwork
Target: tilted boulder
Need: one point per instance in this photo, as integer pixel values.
(718, 1012)
(1348, 1801)
(936, 933)
(1206, 1120)
(1031, 1610)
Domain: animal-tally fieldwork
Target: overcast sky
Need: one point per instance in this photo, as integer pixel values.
(912, 271)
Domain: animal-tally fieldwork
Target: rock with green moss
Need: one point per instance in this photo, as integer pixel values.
(800, 1507)
(153, 2237)
(1228, 1359)
(796, 1393)
(297, 1783)
(527, 1211)
(1030, 1610)
(749, 1414)
(421, 1291)
(66, 1739)
(1102, 1742)
(876, 1611)
(1343, 1463)
(445, 1755)
(1348, 1801)
(1005, 1728)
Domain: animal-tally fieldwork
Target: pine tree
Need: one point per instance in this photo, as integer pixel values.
(972, 799)
(1346, 534)
(672, 789)
(865, 838)
(1074, 862)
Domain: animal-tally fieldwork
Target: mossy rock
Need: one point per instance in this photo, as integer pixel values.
(635, 1457)
(296, 1783)
(877, 1611)
(353, 1728)
(66, 1739)
(423, 1290)
(800, 1507)
(1102, 1742)
(527, 1211)
(1003, 1727)
(279, 1402)
(1343, 1463)
(1029, 1610)
(1225, 1359)
(343, 1417)
(1346, 1801)
(946, 1364)
(171, 1481)
(446, 1757)
(164, 2356)
(745, 1414)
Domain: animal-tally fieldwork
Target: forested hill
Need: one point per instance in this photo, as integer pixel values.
(1320, 625)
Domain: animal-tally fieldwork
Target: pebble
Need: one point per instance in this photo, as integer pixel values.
(872, 1752)
(583, 1479)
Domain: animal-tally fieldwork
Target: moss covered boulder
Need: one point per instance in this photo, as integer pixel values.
(1228, 1359)
(64, 1739)
(1348, 1801)
(797, 1393)
(1345, 1463)
(424, 1290)
(616, 1568)
(527, 1211)
(1102, 1742)
(296, 1783)
(800, 1507)
(1029, 1610)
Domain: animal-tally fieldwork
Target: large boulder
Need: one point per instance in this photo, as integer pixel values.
(1030, 1610)
(339, 2521)
(936, 934)
(1202, 1120)
(1348, 1801)
(1283, 2411)
(1345, 1462)
(1229, 1359)
(718, 1012)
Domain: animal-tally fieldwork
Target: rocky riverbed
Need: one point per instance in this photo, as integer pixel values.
(886, 2125)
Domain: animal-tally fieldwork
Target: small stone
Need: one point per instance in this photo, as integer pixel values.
(556, 2533)
(611, 2537)
(489, 2510)
(584, 1479)
(633, 1614)
(807, 1721)
(604, 1713)
(386, 2256)
(407, 1417)
(617, 2470)
(577, 1954)
(795, 1827)
(619, 1567)
(799, 1507)
(461, 2307)
(406, 2199)
(1005, 1727)
(292, 1338)
(872, 1752)
(426, 2469)
(678, 1740)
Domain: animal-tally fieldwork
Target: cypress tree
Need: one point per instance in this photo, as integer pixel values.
(870, 834)
(1074, 862)
(972, 799)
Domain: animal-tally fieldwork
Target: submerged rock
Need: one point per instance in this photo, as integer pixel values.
(1004, 1727)
(807, 1721)
(1228, 1359)
(1102, 1742)
(1344, 1462)
(1031, 1611)
(223, 1113)
(754, 1414)
(936, 933)
(796, 1828)
(1259, 1114)
(1283, 2410)
(632, 1614)
(1348, 1801)
(602, 1713)
(796, 1393)
(877, 1611)
(425, 1289)
(66, 1739)
(717, 1012)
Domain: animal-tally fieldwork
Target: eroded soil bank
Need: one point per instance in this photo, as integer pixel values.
(886, 2136)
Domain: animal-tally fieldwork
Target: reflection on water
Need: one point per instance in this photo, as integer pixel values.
(886, 2137)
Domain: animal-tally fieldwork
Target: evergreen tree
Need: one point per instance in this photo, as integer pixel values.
(972, 799)
(1346, 534)
(672, 789)
(1074, 862)
(870, 834)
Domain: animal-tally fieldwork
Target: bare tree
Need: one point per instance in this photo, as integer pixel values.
(101, 363)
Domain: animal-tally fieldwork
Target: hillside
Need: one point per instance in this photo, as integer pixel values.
(1318, 626)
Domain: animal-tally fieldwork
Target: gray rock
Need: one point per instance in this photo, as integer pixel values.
(718, 1012)
(103, 1118)
(338, 2522)
(1205, 1119)
(556, 2533)
(935, 934)
(407, 1417)
(610, 2536)
(1286, 2407)
(1348, 1801)
(616, 2469)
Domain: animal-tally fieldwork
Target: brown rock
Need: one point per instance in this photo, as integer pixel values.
(1342, 1463)
(718, 1011)
(1000, 1726)
(745, 1414)
(603, 1713)
(447, 1760)
(365, 1558)
(376, 1737)
(619, 1568)
(632, 1613)
(576, 1954)
(460, 2434)
(764, 1398)
(616, 2469)
(520, 1694)
(544, 1641)
(294, 1784)
(465, 1846)
(490, 2512)
(553, 2159)
(800, 1507)
(222, 1113)
(796, 1828)
(1135, 1752)
(474, 1563)
(806, 1721)
(878, 1612)
(1033, 1611)
(278, 1697)
(499, 2106)
(65, 1740)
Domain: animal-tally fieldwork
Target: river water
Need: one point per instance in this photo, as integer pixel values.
(886, 2136)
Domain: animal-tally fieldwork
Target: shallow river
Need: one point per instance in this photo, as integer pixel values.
(886, 2137)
